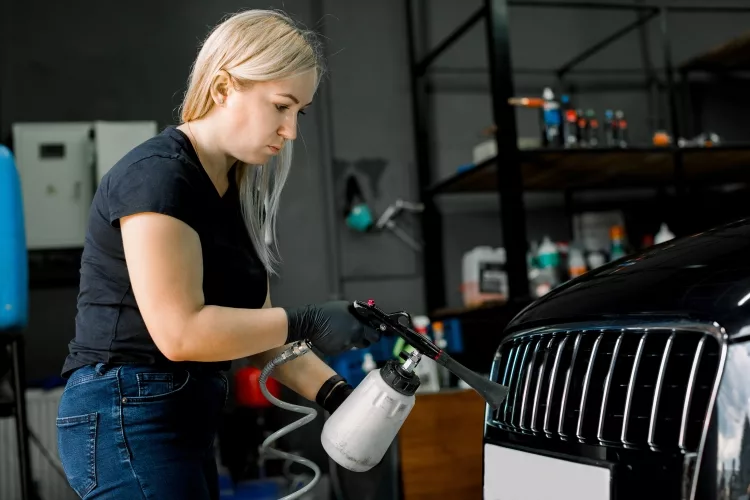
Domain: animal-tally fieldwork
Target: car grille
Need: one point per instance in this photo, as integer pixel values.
(628, 388)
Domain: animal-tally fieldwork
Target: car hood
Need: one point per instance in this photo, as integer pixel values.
(704, 277)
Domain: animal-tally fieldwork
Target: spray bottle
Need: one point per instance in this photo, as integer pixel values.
(359, 432)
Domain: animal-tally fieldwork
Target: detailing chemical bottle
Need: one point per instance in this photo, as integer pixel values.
(14, 284)
(663, 235)
(552, 120)
(548, 260)
(438, 334)
(368, 363)
(484, 276)
(622, 129)
(570, 123)
(593, 129)
(582, 131)
(576, 262)
(617, 241)
(359, 432)
(610, 129)
(427, 369)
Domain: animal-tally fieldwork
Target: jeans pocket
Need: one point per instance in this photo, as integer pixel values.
(153, 387)
(154, 384)
(76, 442)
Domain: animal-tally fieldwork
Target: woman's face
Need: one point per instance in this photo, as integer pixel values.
(259, 120)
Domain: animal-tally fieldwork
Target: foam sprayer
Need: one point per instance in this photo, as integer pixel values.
(359, 432)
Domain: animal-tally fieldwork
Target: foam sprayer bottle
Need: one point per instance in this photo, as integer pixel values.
(359, 432)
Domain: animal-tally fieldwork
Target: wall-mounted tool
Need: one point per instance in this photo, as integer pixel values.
(359, 217)
(386, 221)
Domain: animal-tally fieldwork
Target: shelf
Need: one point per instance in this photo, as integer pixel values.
(733, 55)
(561, 169)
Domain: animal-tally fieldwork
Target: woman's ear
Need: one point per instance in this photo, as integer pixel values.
(221, 87)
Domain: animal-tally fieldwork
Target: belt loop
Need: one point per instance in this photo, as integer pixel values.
(100, 368)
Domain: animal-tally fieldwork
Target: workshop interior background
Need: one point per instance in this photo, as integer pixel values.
(88, 61)
(84, 62)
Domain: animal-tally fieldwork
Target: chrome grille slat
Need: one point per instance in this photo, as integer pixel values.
(566, 388)
(553, 379)
(516, 351)
(607, 382)
(539, 382)
(521, 371)
(527, 383)
(689, 392)
(586, 384)
(657, 391)
(630, 386)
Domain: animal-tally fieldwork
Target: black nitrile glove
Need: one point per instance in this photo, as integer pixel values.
(331, 327)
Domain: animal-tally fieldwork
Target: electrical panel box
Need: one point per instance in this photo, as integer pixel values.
(55, 163)
(112, 140)
(60, 166)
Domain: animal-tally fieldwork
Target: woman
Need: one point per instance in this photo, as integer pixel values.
(174, 275)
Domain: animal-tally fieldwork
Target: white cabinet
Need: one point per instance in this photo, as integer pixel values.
(60, 165)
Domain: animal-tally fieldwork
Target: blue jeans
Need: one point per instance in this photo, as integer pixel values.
(132, 431)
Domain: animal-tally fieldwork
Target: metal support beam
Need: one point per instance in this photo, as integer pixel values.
(449, 40)
(431, 220)
(509, 177)
(677, 158)
(565, 68)
(18, 361)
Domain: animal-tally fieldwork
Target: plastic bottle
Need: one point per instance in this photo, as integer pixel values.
(368, 363)
(610, 128)
(552, 120)
(663, 235)
(548, 255)
(576, 263)
(593, 128)
(359, 432)
(617, 241)
(14, 285)
(546, 277)
(438, 334)
(582, 129)
(622, 128)
(596, 259)
(484, 276)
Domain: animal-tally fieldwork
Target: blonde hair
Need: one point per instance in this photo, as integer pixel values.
(254, 46)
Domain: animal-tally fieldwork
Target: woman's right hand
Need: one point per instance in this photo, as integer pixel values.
(331, 327)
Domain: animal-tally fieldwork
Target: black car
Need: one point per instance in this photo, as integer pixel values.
(632, 381)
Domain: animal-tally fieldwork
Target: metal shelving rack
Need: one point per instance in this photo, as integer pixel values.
(514, 171)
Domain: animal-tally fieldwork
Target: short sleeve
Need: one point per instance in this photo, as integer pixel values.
(154, 184)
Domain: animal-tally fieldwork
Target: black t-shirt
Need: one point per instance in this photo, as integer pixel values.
(161, 175)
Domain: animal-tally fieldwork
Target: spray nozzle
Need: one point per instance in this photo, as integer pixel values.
(492, 392)
(411, 360)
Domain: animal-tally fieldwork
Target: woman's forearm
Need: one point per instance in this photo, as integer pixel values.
(215, 333)
(304, 375)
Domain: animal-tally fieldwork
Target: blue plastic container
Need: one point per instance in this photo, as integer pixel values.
(259, 489)
(14, 268)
